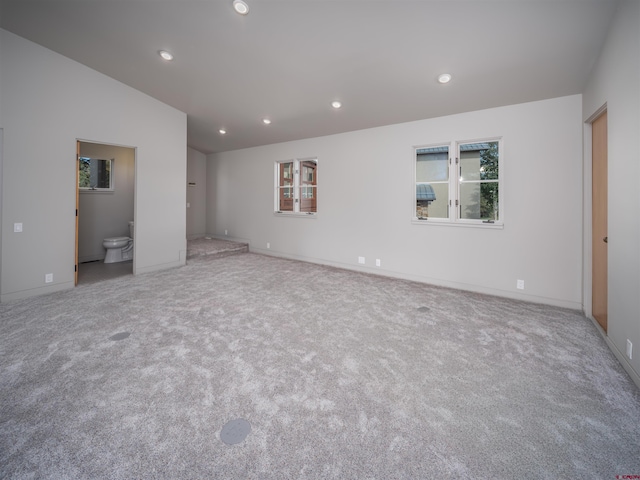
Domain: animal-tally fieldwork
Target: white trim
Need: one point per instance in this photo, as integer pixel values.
(296, 186)
(620, 356)
(424, 279)
(111, 187)
(459, 223)
(296, 214)
(455, 174)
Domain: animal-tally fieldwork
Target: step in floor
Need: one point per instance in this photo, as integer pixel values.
(213, 246)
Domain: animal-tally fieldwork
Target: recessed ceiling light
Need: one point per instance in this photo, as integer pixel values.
(240, 7)
(222, 131)
(336, 104)
(165, 55)
(266, 121)
(444, 78)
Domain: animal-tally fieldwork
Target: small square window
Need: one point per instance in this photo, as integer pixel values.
(95, 174)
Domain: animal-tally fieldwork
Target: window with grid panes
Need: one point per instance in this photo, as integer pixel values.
(297, 186)
(459, 182)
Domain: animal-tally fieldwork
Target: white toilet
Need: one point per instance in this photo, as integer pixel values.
(119, 249)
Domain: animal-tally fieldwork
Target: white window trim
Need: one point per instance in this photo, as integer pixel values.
(296, 189)
(454, 219)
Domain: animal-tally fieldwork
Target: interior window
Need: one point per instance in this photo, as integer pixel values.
(95, 174)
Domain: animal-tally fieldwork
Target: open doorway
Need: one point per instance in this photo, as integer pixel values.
(105, 205)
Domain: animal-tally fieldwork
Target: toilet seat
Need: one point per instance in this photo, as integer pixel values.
(117, 239)
(115, 242)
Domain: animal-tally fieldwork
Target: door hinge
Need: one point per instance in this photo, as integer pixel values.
(75, 268)
(76, 212)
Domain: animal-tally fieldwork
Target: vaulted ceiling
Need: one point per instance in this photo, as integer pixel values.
(287, 60)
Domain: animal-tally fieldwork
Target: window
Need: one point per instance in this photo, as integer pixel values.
(297, 186)
(95, 174)
(432, 182)
(464, 188)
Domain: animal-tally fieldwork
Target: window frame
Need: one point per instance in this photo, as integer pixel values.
(454, 218)
(297, 186)
(110, 188)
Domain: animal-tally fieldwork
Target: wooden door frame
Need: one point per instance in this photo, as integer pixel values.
(75, 278)
(599, 235)
(587, 250)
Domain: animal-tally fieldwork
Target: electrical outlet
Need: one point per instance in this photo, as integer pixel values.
(48, 278)
(378, 262)
(520, 284)
(226, 232)
(188, 205)
(629, 349)
(268, 245)
(361, 260)
(17, 227)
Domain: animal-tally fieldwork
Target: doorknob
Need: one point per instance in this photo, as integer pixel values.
(605, 239)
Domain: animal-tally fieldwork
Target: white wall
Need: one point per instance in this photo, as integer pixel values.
(615, 81)
(196, 194)
(106, 214)
(365, 203)
(49, 101)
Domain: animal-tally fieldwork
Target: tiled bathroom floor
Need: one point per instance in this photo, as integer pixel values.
(99, 271)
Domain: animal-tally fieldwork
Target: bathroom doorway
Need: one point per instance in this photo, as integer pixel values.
(105, 206)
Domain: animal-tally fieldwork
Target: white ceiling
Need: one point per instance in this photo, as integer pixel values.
(288, 59)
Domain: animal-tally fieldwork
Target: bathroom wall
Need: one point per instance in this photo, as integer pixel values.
(106, 214)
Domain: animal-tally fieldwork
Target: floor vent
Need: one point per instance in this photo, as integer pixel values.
(119, 336)
(235, 431)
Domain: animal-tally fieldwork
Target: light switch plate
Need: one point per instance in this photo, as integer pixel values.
(17, 227)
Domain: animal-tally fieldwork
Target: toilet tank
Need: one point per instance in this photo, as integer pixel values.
(131, 228)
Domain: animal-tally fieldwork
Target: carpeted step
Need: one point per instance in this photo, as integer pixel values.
(214, 248)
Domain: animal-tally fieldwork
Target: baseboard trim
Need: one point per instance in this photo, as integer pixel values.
(195, 236)
(620, 356)
(160, 266)
(91, 258)
(32, 292)
(428, 280)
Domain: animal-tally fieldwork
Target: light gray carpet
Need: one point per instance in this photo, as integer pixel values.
(340, 375)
